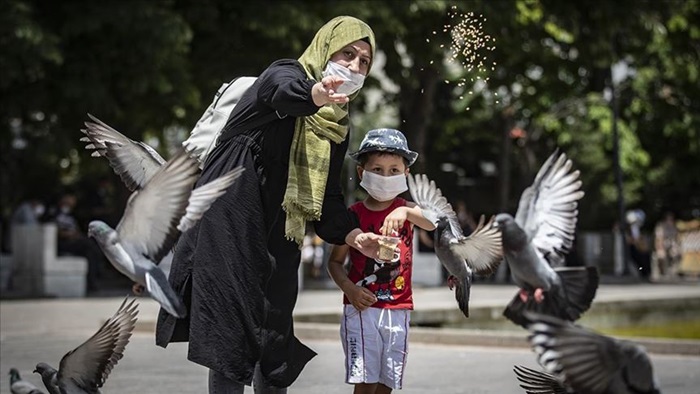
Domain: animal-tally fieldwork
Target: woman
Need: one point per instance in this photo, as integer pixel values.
(237, 270)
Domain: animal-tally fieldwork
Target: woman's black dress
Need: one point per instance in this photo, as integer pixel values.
(236, 271)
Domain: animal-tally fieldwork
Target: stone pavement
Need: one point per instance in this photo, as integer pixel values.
(44, 330)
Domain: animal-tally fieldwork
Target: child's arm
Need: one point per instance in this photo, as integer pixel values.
(412, 213)
(359, 297)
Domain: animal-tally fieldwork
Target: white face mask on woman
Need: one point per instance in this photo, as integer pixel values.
(352, 81)
(383, 188)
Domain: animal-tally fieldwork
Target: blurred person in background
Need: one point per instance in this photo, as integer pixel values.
(638, 243)
(31, 211)
(73, 241)
(667, 246)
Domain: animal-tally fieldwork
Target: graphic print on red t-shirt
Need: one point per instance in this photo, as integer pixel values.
(389, 281)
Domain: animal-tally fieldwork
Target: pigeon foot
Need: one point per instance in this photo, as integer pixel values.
(523, 295)
(539, 295)
(137, 289)
(451, 281)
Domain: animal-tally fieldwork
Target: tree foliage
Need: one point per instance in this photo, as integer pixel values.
(150, 68)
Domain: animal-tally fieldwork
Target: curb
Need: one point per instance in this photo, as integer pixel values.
(470, 337)
(467, 337)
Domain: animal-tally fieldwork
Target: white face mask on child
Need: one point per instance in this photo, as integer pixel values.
(352, 81)
(383, 188)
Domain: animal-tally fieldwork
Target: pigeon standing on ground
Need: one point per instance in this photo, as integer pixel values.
(85, 369)
(583, 361)
(541, 234)
(19, 386)
(154, 217)
(462, 256)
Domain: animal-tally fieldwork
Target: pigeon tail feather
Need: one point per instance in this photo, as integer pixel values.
(580, 284)
(462, 290)
(160, 290)
(567, 301)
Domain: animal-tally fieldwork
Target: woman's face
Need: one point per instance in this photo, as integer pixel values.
(356, 56)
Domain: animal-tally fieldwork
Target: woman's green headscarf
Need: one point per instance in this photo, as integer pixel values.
(309, 158)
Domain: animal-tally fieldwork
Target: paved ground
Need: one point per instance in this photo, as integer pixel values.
(146, 368)
(44, 330)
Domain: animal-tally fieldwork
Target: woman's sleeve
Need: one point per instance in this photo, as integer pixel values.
(336, 220)
(285, 88)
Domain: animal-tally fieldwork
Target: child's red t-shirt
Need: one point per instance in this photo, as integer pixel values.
(390, 282)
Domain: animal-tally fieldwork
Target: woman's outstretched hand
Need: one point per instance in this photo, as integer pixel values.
(366, 243)
(324, 92)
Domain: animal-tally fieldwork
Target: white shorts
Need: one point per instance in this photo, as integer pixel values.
(375, 342)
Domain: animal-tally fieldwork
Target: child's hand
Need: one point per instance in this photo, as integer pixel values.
(394, 221)
(360, 297)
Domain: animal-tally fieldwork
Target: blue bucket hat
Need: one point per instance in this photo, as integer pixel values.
(386, 140)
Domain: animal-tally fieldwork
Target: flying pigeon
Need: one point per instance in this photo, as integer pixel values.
(85, 369)
(584, 361)
(134, 162)
(541, 234)
(19, 386)
(461, 255)
(154, 217)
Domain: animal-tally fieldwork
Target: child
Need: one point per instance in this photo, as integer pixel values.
(378, 297)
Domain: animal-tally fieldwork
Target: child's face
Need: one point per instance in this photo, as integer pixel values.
(384, 164)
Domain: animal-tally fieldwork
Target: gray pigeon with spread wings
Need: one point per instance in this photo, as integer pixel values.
(154, 217)
(85, 369)
(21, 386)
(461, 255)
(134, 162)
(541, 234)
(584, 361)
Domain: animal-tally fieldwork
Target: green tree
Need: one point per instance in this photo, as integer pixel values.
(125, 62)
(151, 68)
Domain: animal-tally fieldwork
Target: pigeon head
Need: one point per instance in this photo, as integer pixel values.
(443, 232)
(14, 375)
(45, 370)
(441, 224)
(514, 238)
(502, 220)
(98, 229)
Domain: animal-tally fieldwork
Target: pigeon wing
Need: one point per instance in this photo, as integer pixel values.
(89, 365)
(134, 162)
(587, 361)
(202, 197)
(152, 214)
(481, 249)
(432, 203)
(547, 210)
(538, 382)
